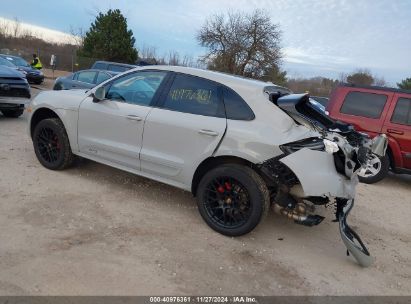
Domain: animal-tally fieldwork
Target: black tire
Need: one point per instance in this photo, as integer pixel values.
(382, 172)
(51, 144)
(253, 190)
(12, 113)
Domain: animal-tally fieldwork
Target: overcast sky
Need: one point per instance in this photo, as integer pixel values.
(320, 38)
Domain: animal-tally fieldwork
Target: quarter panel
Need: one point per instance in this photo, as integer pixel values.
(318, 176)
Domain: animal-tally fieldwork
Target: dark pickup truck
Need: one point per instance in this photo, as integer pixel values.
(14, 92)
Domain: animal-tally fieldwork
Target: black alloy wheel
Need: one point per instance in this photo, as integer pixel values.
(227, 202)
(51, 144)
(48, 145)
(232, 199)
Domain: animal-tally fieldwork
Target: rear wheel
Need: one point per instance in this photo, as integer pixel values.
(12, 113)
(376, 170)
(51, 144)
(232, 199)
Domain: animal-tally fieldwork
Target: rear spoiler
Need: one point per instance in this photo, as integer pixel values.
(299, 105)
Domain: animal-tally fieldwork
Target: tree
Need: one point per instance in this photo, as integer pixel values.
(361, 77)
(109, 39)
(405, 84)
(275, 75)
(242, 44)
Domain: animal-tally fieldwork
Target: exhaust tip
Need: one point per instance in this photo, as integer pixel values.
(311, 220)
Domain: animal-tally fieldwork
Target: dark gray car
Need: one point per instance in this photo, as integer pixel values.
(85, 79)
(112, 66)
(14, 92)
(33, 75)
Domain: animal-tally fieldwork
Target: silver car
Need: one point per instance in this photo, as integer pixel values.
(237, 145)
(84, 79)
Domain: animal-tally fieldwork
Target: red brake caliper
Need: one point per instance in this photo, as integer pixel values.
(227, 186)
(56, 142)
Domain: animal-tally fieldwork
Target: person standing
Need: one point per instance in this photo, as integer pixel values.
(36, 63)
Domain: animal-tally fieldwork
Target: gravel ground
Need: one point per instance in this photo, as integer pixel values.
(95, 230)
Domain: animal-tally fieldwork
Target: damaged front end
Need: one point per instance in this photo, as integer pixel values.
(320, 170)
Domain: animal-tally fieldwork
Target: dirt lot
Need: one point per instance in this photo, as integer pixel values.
(95, 230)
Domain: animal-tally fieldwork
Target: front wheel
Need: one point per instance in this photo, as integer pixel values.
(51, 144)
(232, 199)
(376, 170)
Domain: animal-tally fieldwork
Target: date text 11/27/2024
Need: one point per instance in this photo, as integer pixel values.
(203, 299)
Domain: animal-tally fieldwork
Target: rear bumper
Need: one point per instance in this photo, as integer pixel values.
(317, 174)
(350, 238)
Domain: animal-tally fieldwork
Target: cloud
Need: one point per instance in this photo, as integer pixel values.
(44, 33)
(318, 35)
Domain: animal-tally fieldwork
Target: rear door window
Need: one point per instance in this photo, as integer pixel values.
(402, 112)
(195, 95)
(364, 104)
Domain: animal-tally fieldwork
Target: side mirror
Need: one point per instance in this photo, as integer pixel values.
(99, 94)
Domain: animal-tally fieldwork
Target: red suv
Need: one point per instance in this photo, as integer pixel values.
(375, 110)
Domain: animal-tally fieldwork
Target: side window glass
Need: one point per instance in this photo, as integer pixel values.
(99, 66)
(136, 88)
(194, 95)
(74, 76)
(364, 104)
(235, 107)
(102, 77)
(117, 68)
(87, 77)
(402, 112)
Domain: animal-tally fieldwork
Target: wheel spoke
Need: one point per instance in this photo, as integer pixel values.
(47, 144)
(227, 202)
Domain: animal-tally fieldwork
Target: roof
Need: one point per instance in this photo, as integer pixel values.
(226, 79)
(116, 63)
(386, 89)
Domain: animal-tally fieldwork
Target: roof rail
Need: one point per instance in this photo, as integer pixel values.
(352, 85)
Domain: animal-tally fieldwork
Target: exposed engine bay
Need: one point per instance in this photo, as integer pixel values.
(320, 170)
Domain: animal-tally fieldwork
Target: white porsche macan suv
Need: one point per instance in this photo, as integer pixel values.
(239, 145)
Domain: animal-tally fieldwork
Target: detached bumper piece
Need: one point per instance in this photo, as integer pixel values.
(351, 239)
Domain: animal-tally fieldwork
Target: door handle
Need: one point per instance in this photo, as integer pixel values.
(395, 131)
(208, 132)
(134, 117)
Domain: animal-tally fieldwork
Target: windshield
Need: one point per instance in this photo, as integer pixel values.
(18, 61)
(6, 63)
